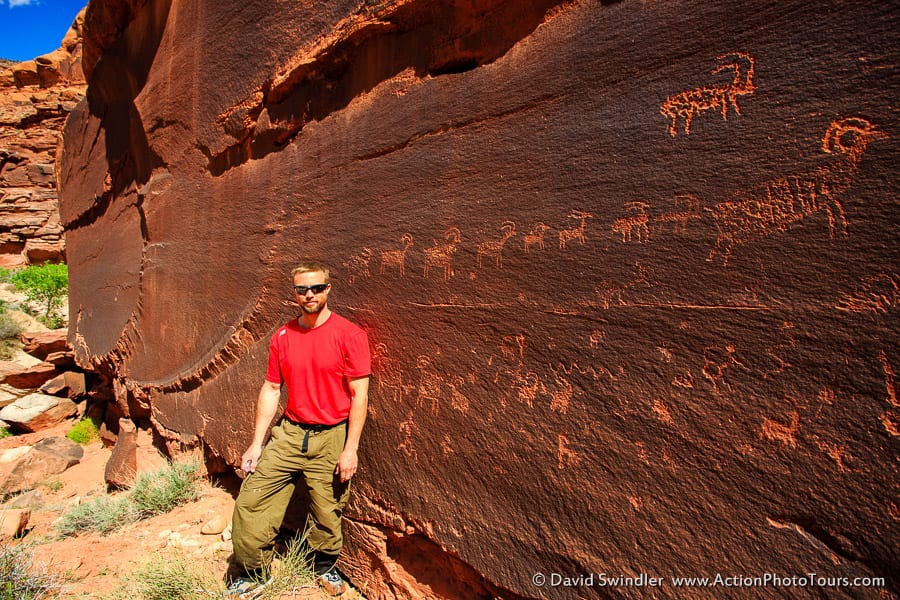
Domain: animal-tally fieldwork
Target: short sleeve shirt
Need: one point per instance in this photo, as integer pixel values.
(315, 364)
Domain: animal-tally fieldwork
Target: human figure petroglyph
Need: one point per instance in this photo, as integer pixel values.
(387, 371)
(458, 400)
(775, 205)
(716, 364)
(494, 248)
(535, 237)
(687, 209)
(358, 264)
(512, 347)
(635, 225)
(690, 103)
(396, 258)
(574, 233)
(442, 255)
(430, 384)
(407, 430)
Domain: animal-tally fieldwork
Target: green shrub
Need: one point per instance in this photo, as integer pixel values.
(47, 284)
(104, 515)
(174, 577)
(5, 275)
(161, 491)
(84, 432)
(152, 494)
(4, 433)
(19, 579)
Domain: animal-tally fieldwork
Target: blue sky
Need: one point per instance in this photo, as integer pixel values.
(29, 28)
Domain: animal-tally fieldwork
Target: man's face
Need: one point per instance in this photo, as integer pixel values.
(311, 302)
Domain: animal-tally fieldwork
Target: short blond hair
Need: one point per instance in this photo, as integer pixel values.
(312, 266)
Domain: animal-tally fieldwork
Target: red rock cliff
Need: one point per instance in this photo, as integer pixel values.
(629, 268)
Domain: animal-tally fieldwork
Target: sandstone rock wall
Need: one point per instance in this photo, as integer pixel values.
(36, 96)
(629, 269)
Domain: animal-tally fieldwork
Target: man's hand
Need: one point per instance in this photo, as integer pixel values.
(251, 458)
(347, 465)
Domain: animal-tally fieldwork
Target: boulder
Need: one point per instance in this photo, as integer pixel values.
(37, 411)
(70, 384)
(41, 344)
(13, 522)
(632, 291)
(132, 455)
(32, 377)
(50, 456)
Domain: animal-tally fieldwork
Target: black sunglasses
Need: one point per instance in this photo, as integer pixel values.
(316, 289)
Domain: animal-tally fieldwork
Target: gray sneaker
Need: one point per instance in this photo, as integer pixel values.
(247, 588)
(332, 582)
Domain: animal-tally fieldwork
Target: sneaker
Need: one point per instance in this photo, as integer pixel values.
(332, 582)
(247, 588)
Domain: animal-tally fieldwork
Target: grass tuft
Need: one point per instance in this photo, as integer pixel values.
(20, 579)
(174, 577)
(84, 432)
(152, 494)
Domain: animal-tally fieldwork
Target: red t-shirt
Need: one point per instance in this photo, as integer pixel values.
(315, 364)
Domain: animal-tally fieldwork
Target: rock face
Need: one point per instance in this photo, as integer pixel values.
(35, 98)
(629, 270)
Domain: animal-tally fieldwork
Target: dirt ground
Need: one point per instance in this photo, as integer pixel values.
(100, 567)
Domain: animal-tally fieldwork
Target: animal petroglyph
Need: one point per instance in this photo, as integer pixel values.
(635, 225)
(687, 209)
(512, 347)
(430, 384)
(574, 233)
(358, 264)
(528, 387)
(776, 204)
(690, 103)
(458, 400)
(565, 455)
(441, 256)
(878, 294)
(494, 248)
(786, 434)
(563, 396)
(609, 293)
(396, 258)
(535, 237)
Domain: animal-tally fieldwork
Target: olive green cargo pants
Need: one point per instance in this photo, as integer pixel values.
(294, 454)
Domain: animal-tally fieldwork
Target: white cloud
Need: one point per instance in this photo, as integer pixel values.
(15, 3)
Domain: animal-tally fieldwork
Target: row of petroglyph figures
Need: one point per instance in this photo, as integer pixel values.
(754, 212)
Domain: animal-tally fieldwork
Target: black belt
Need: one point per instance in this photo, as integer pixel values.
(312, 427)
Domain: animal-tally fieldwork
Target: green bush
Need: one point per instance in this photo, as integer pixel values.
(19, 579)
(84, 432)
(47, 285)
(5, 275)
(174, 577)
(152, 494)
(4, 433)
(161, 491)
(103, 515)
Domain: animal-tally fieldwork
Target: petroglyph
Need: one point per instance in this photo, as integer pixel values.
(685, 380)
(595, 338)
(609, 293)
(687, 209)
(512, 347)
(494, 248)
(535, 237)
(574, 233)
(877, 293)
(441, 256)
(528, 387)
(458, 400)
(634, 226)
(786, 434)
(358, 264)
(838, 454)
(407, 430)
(430, 384)
(716, 364)
(690, 103)
(776, 351)
(388, 374)
(396, 258)
(888, 379)
(775, 205)
(561, 398)
(565, 455)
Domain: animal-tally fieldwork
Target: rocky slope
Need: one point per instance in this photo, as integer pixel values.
(36, 96)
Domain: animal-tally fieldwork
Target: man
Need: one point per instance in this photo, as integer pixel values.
(324, 361)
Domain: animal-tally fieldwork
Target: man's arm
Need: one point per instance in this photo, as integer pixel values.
(359, 406)
(266, 407)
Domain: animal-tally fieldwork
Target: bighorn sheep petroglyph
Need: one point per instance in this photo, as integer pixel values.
(689, 103)
(775, 205)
